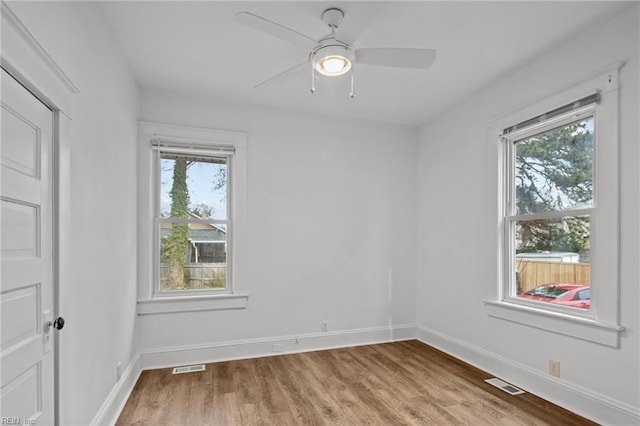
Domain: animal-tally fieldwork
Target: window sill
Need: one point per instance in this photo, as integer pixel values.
(169, 305)
(554, 322)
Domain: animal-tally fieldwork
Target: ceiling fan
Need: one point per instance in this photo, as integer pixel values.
(331, 56)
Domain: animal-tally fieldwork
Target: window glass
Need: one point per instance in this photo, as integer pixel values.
(192, 185)
(554, 170)
(193, 222)
(549, 225)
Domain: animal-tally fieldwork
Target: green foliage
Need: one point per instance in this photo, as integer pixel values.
(177, 242)
(174, 242)
(570, 234)
(217, 282)
(554, 171)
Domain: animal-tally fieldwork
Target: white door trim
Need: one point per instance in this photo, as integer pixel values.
(28, 61)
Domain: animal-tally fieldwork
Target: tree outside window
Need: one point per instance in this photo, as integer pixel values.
(193, 222)
(551, 205)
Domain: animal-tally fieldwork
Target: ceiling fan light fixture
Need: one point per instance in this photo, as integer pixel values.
(332, 60)
(333, 65)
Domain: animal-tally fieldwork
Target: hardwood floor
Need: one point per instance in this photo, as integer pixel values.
(385, 384)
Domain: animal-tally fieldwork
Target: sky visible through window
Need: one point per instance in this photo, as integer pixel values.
(206, 183)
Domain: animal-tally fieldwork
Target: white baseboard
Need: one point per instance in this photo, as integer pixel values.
(240, 349)
(256, 348)
(117, 398)
(584, 402)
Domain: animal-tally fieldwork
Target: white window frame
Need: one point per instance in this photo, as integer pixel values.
(198, 142)
(200, 151)
(601, 323)
(511, 218)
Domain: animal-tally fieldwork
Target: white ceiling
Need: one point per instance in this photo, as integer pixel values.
(198, 48)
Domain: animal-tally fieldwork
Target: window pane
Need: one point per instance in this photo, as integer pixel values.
(193, 187)
(554, 170)
(193, 256)
(552, 260)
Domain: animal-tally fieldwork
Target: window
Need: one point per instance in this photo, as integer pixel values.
(193, 219)
(549, 206)
(191, 239)
(557, 244)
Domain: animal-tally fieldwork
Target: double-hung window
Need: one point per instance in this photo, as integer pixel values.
(193, 218)
(558, 211)
(192, 210)
(549, 205)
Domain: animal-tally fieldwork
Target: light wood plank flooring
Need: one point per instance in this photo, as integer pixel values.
(386, 384)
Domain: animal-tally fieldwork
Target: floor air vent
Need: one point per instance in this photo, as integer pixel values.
(189, 369)
(512, 390)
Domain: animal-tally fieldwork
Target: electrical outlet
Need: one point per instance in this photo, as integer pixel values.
(324, 326)
(118, 371)
(554, 368)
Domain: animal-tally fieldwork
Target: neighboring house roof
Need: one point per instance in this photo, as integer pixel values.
(222, 228)
(200, 232)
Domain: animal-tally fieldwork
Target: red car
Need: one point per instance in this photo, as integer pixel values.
(575, 295)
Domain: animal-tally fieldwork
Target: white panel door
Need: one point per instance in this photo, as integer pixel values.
(26, 274)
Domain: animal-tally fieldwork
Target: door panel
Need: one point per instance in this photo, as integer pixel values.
(20, 229)
(16, 327)
(26, 242)
(22, 393)
(20, 143)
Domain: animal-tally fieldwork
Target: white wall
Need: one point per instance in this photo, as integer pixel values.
(329, 225)
(457, 217)
(97, 290)
(332, 214)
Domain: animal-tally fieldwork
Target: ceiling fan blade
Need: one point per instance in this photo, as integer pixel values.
(396, 57)
(266, 26)
(285, 75)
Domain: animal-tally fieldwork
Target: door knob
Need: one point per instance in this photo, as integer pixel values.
(58, 323)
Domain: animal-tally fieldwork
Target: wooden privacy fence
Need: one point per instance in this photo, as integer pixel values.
(534, 273)
(197, 276)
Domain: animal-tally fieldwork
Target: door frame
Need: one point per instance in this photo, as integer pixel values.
(25, 58)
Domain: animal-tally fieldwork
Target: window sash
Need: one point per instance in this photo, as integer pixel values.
(229, 260)
(194, 220)
(192, 154)
(510, 290)
(510, 136)
(557, 122)
(192, 151)
(554, 214)
(229, 263)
